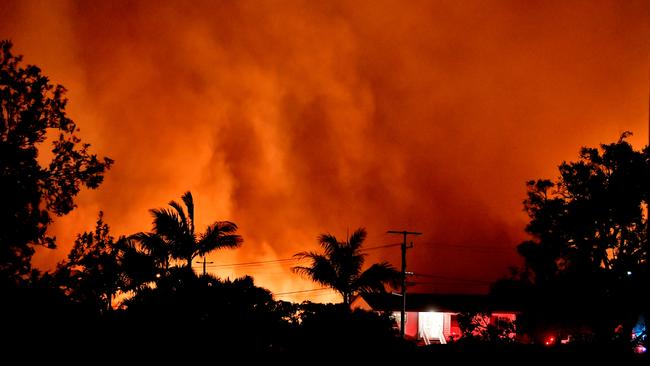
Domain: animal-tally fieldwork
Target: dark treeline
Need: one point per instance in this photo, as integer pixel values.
(585, 278)
(165, 304)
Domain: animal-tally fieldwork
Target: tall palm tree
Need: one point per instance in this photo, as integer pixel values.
(340, 267)
(176, 226)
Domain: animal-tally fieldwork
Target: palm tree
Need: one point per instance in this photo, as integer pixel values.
(339, 267)
(138, 266)
(176, 226)
(157, 248)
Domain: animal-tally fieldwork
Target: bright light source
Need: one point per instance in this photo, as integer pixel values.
(549, 341)
(157, 275)
(430, 324)
(629, 273)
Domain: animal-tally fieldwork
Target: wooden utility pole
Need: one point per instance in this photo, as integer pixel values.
(404, 233)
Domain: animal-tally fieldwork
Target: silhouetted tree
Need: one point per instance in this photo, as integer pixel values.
(34, 187)
(158, 248)
(137, 266)
(334, 329)
(589, 253)
(340, 267)
(476, 326)
(235, 314)
(98, 267)
(176, 227)
(92, 273)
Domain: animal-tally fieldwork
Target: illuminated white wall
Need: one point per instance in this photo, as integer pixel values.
(431, 324)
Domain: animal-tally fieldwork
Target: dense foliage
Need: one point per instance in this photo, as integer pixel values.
(586, 268)
(35, 183)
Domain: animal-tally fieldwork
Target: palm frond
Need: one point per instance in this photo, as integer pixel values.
(138, 266)
(169, 225)
(151, 243)
(181, 214)
(124, 243)
(219, 235)
(141, 237)
(376, 277)
(320, 271)
(348, 263)
(189, 203)
(329, 243)
(167, 222)
(357, 238)
(301, 255)
(303, 271)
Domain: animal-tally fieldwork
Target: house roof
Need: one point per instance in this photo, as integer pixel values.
(454, 303)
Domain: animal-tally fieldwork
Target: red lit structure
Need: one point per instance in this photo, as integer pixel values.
(433, 318)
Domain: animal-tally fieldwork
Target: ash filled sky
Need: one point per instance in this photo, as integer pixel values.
(294, 118)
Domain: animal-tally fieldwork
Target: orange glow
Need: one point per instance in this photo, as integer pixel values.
(302, 117)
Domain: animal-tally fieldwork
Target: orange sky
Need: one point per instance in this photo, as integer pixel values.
(296, 118)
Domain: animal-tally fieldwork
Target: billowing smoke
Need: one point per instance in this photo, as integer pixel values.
(298, 118)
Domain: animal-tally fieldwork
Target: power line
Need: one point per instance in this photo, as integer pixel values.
(256, 263)
(446, 283)
(300, 291)
(382, 246)
(468, 247)
(292, 259)
(452, 279)
(205, 265)
(312, 295)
